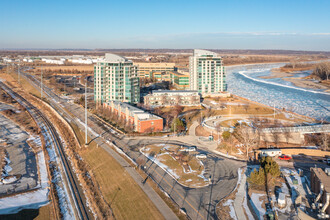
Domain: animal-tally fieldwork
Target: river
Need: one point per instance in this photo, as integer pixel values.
(244, 81)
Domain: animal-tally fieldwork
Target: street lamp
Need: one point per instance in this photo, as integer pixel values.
(86, 143)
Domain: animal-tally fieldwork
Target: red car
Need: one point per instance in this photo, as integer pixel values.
(285, 157)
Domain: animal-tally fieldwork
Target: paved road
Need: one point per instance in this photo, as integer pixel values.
(198, 203)
(62, 106)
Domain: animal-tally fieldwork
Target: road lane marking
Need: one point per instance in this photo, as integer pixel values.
(179, 194)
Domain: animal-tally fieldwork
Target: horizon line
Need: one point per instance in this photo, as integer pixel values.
(105, 49)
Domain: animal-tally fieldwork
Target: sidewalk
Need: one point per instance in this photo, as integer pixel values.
(154, 197)
(240, 200)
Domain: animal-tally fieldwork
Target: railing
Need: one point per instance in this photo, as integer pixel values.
(322, 128)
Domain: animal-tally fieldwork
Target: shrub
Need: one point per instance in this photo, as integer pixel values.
(257, 177)
(226, 135)
(270, 166)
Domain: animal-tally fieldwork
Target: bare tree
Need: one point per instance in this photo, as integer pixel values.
(276, 137)
(246, 106)
(325, 141)
(247, 136)
(287, 135)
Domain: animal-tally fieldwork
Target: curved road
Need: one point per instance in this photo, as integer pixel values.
(198, 203)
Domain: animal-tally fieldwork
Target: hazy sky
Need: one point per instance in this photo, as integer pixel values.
(228, 24)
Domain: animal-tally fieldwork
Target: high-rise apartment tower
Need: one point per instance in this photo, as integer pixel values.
(207, 74)
(115, 78)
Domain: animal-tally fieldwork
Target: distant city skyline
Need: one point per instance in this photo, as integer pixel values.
(256, 24)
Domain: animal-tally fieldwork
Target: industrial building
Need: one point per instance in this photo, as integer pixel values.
(148, 69)
(115, 78)
(207, 73)
(143, 122)
(172, 98)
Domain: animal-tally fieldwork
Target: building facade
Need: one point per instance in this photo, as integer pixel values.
(320, 185)
(172, 98)
(207, 74)
(147, 69)
(180, 79)
(143, 122)
(115, 78)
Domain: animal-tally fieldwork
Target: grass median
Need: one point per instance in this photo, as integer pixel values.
(126, 198)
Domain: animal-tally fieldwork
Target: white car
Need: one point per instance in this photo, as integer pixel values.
(201, 156)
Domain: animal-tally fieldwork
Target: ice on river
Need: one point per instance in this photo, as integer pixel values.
(244, 81)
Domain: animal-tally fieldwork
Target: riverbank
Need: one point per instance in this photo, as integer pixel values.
(303, 82)
(308, 83)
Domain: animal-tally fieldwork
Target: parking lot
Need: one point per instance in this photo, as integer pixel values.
(22, 158)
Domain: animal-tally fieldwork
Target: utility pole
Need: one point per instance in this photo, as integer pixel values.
(19, 74)
(86, 114)
(41, 84)
(274, 110)
(230, 116)
(174, 125)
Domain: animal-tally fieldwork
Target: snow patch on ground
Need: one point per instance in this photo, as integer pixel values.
(258, 204)
(9, 180)
(29, 200)
(161, 165)
(232, 213)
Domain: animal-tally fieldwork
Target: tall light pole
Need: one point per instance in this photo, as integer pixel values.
(230, 116)
(19, 74)
(86, 113)
(274, 110)
(41, 84)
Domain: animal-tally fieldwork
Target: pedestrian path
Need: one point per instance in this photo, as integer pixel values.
(239, 200)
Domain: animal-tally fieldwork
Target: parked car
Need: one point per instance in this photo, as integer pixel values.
(201, 156)
(285, 157)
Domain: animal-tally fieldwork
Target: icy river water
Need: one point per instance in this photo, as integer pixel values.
(244, 81)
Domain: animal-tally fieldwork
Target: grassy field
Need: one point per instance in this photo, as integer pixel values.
(125, 197)
(188, 177)
(46, 212)
(13, 79)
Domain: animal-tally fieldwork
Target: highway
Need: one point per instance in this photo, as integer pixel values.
(48, 128)
(198, 203)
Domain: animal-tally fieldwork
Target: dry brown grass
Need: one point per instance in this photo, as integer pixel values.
(188, 179)
(12, 79)
(46, 212)
(125, 197)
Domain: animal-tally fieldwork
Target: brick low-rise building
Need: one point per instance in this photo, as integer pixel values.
(143, 122)
(172, 98)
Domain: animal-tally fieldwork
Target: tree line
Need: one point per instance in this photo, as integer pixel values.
(322, 70)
